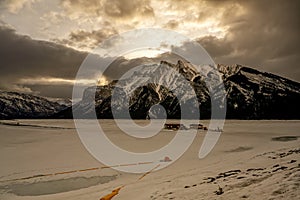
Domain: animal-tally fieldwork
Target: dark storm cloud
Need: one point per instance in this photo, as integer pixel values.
(26, 64)
(265, 36)
(22, 57)
(54, 91)
(217, 47)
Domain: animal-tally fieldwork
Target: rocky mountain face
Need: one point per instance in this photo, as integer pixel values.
(250, 94)
(14, 105)
(259, 95)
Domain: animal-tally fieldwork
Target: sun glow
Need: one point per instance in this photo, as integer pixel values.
(102, 81)
(149, 53)
(54, 81)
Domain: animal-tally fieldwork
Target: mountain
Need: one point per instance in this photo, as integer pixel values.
(14, 105)
(66, 102)
(251, 94)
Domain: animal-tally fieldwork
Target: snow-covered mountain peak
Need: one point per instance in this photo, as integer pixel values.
(251, 94)
(228, 70)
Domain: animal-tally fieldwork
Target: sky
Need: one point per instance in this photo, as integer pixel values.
(44, 42)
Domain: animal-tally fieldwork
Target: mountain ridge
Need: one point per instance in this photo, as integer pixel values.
(251, 94)
(16, 105)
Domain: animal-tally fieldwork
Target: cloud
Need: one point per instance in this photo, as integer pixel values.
(76, 8)
(217, 47)
(87, 40)
(97, 20)
(172, 24)
(14, 6)
(22, 57)
(52, 81)
(260, 34)
(127, 8)
(121, 65)
(265, 35)
(121, 9)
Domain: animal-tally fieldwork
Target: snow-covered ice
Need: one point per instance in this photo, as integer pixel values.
(252, 160)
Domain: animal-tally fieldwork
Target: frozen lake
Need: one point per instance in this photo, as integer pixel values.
(252, 159)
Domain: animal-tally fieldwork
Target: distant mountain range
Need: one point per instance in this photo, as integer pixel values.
(251, 94)
(14, 105)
